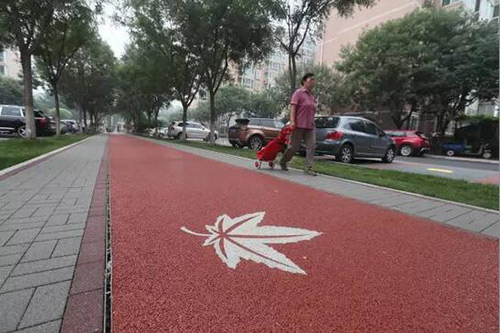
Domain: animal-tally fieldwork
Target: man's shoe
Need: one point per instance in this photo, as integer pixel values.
(283, 166)
(310, 172)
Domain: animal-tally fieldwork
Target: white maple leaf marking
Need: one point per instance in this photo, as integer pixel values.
(241, 237)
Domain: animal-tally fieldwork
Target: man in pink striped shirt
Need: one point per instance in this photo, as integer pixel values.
(302, 112)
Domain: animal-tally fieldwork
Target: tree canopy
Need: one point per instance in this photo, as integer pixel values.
(435, 61)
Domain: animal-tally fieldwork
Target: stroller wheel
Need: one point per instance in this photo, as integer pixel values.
(258, 164)
(271, 165)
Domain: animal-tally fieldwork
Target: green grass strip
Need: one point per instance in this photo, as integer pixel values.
(14, 151)
(481, 195)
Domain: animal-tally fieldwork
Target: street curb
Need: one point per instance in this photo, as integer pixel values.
(462, 159)
(10, 171)
(86, 309)
(352, 181)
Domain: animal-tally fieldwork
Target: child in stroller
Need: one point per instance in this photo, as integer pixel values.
(273, 148)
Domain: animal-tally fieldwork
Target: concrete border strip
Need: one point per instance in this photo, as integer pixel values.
(463, 159)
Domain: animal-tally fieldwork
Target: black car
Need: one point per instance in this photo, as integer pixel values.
(13, 120)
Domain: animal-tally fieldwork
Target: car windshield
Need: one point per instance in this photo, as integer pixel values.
(327, 122)
(420, 134)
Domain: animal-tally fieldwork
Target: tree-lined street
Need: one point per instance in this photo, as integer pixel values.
(126, 229)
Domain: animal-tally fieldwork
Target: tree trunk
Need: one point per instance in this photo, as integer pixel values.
(28, 95)
(58, 114)
(294, 75)
(290, 76)
(85, 129)
(211, 138)
(156, 121)
(292, 70)
(94, 119)
(227, 123)
(80, 116)
(184, 121)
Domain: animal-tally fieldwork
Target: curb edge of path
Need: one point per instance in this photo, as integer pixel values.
(12, 170)
(341, 179)
(462, 159)
(86, 310)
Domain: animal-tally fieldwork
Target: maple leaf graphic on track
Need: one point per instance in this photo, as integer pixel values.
(242, 237)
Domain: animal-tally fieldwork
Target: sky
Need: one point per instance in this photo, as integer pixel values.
(113, 33)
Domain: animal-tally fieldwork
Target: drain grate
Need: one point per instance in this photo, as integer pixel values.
(109, 257)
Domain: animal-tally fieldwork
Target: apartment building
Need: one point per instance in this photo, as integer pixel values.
(262, 76)
(340, 31)
(9, 64)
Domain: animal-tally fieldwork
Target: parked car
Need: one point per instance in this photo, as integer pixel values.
(64, 127)
(72, 125)
(478, 139)
(162, 132)
(410, 143)
(457, 148)
(193, 130)
(348, 137)
(254, 132)
(13, 120)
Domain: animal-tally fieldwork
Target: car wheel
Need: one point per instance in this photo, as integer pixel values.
(389, 155)
(179, 136)
(346, 154)
(21, 131)
(487, 155)
(450, 152)
(256, 142)
(406, 150)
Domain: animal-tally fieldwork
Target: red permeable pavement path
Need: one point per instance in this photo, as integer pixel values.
(371, 269)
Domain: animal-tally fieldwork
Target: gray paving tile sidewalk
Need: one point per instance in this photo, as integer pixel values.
(43, 211)
(473, 219)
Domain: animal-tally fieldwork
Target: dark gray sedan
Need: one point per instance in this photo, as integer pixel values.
(349, 137)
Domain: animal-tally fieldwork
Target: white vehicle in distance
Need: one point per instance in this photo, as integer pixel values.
(193, 130)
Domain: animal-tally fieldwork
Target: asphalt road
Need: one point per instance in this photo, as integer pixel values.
(479, 171)
(482, 171)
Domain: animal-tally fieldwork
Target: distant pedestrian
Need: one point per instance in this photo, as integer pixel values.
(302, 112)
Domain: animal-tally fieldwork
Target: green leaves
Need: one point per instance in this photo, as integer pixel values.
(11, 91)
(436, 60)
(234, 100)
(89, 79)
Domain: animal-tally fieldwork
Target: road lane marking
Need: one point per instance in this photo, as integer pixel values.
(440, 170)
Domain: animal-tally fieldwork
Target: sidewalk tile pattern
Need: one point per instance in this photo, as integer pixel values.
(43, 212)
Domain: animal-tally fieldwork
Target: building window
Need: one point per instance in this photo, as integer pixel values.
(247, 83)
(2, 70)
(478, 5)
(495, 11)
(448, 2)
(2, 56)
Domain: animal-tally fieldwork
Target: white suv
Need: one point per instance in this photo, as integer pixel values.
(194, 130)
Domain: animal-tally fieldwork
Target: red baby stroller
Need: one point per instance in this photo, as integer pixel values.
(273, 148)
